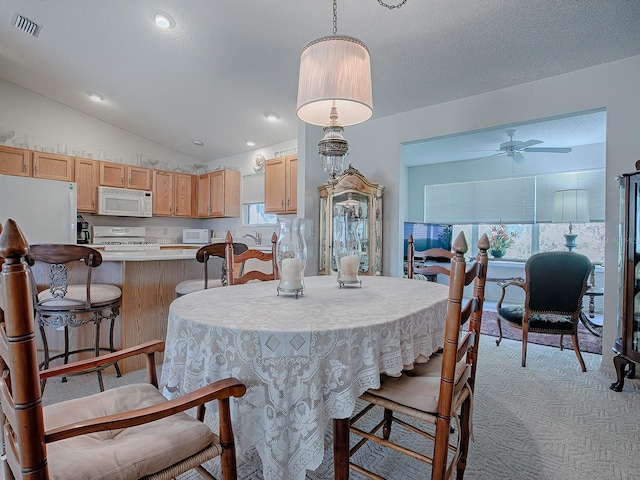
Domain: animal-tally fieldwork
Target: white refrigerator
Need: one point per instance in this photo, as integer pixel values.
(45, 210)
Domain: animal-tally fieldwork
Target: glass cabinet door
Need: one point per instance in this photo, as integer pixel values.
(627, 342)
(354, 193)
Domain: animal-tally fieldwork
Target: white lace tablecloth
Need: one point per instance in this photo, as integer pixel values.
(305, 361)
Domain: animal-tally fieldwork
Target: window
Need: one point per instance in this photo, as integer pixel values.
(524, 205)
(253, 201)
(254, 214)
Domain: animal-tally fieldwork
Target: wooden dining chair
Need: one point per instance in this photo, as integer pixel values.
(440, 390)
(554, 285)
(129, 432)
(203, 255)
(251, 264)
(71, 299)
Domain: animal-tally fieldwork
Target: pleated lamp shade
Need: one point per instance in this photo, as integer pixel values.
(571, 206)
(335, 71)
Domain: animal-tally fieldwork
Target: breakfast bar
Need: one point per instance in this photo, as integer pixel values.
(147, 280)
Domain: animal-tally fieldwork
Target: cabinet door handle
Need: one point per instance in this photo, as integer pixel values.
(122, 180)
(130, 182)
(35, 168)
(287, 203)
(282, 203)
(24, 167)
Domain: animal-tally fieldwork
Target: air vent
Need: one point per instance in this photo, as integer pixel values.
(26, 25)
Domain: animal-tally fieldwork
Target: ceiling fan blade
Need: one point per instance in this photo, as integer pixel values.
(549, 149)
(527, 144)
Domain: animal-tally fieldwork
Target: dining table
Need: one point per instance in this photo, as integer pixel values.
(305, 360)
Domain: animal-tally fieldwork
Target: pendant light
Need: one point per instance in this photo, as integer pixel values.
(334, 90)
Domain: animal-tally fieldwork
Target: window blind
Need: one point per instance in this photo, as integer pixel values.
(510, 200)
(591, 180)
(253, 188)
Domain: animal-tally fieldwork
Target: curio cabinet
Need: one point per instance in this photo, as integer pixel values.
(627, 343)
(352, 204)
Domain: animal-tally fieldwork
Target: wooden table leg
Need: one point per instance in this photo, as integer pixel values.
(341, 448)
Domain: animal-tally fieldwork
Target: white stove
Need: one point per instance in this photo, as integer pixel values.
(123, 239)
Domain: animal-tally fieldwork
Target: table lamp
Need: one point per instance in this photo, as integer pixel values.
(570, 206)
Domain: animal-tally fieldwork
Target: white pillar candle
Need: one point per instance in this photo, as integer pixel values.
(291, 274)
(349, 268)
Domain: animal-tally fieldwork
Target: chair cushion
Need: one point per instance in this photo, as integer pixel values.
(418, 388)
(100, 294)
(545, 322)
(126, 453)
(195, 285)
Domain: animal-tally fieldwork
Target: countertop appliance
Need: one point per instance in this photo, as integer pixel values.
(195, 235)
(45, 210)
(124, 202)
(122, 239)
(82, 230)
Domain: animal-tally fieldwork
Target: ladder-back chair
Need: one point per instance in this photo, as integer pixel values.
(440, 390)
(129, 432)
(241, 268)
(203, 255)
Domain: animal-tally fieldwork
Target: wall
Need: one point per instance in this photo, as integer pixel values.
(48, 123)
(376, 146)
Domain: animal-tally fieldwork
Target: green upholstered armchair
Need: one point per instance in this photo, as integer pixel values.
(554, 285)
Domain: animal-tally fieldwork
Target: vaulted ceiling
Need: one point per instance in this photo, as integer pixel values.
(224, 65)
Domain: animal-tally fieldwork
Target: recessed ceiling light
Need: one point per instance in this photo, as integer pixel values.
(96, 97)
(251, 143)
(198, 142)
(272, 117)
(163, 20)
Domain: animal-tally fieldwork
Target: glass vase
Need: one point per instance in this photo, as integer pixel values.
(347, 248)
(291, 255)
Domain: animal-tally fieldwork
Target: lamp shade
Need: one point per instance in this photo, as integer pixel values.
(335, 71)
(571, 206)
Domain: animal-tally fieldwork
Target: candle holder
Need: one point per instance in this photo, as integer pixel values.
(347, 246)
(291, 255)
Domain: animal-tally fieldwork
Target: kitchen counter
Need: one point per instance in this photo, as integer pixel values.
(148, 255)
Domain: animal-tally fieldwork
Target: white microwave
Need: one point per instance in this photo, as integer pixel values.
(124, 202)
(195, 235)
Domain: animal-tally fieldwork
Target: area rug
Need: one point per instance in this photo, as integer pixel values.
(588, 342)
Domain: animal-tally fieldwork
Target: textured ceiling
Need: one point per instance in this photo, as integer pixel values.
(225, 64)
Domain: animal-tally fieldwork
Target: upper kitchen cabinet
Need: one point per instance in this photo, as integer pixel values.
(125, 176)
(174, 194)
(15, 161)
(219, 194)
(52, 166)
(87, 174)
(281, 184)
(184, 195)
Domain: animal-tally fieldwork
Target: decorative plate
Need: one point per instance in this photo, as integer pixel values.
(258, 162)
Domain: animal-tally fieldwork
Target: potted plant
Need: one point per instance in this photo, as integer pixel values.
(500, 240)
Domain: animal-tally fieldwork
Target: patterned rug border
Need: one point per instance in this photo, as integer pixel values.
(588, 342)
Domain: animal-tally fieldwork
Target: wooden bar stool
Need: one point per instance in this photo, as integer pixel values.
(65, 304)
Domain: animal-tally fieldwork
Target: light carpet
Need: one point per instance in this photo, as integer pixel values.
(547, 421)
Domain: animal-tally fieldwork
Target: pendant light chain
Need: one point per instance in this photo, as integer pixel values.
(391, 7)
(335, 11)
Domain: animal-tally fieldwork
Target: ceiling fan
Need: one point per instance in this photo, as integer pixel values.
(514, 148)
